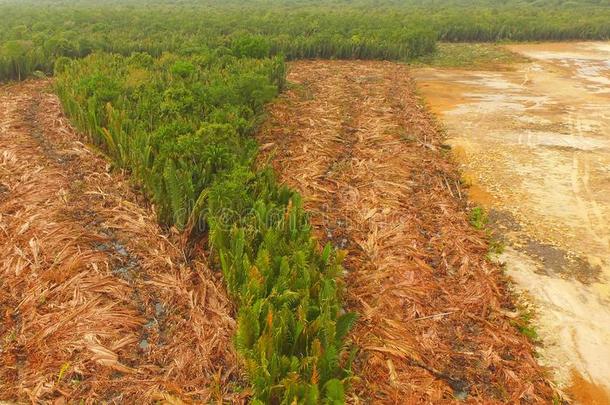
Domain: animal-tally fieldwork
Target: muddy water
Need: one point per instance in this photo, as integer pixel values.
(534, 143)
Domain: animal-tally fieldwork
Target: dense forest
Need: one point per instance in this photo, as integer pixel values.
(34, 33)
(172, 92)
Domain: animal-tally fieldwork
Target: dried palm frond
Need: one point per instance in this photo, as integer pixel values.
(366, 158)
(97, 302)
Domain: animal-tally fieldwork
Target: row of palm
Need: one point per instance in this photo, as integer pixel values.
(182, 125)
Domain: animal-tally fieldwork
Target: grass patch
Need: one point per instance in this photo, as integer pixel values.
(478, 218)
(469, 56)
(524, 324)
(496, 247)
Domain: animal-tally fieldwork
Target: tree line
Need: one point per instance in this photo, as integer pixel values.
(35, 33)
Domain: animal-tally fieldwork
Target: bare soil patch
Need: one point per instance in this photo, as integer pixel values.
(435, 322)
(534, 144)
(97, 303)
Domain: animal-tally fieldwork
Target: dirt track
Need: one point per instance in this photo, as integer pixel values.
(96, 302)
(435, 321)
(534, 142)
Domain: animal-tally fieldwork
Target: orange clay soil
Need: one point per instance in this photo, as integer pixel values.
(96, 302)
(435, 321)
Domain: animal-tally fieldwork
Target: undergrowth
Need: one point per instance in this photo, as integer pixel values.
(478, 217)
(525, 326)
(469, 56)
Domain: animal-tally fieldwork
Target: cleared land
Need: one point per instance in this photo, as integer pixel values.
(97, 302)
(436, 317)
(100, 303)
(533, 140)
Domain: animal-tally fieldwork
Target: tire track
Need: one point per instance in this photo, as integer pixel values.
(590, 210)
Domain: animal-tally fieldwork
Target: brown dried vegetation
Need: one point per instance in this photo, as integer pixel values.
(434, 312)
(97, 303)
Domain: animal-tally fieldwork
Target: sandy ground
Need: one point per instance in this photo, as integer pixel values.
(534, 142)
(97, 303)
(436, 320)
